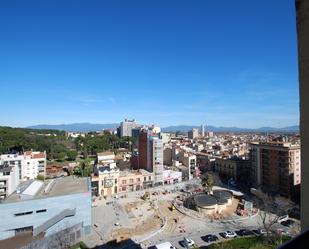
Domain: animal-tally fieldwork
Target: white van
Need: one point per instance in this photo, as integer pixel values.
(165, 245)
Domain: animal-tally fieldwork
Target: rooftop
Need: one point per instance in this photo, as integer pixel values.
(51, 188)
(106, 153)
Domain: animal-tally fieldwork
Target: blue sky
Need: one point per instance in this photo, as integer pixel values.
(223, 63)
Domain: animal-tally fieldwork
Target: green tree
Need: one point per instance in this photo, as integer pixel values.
(61, 156)
(86, 167)
(207, 182)
(72, 154)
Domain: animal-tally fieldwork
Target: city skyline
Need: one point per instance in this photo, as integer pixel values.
(102, 62)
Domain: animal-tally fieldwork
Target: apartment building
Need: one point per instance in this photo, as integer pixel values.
(104, 180)
(15, 168)
(9, 179)
(276, 166)
(126, 127)
(30, 164)
(193, 133)
(189, 160)
(34, 164)
(151, 154)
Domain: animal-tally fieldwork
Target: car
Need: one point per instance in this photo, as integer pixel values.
(210, 238)
(229, 234)
(164, 245)
(283, 218)
(117, 224)
(244, 232)
(287, 223)
(95, 225)
(188, 242)
(259, 231)
(294, 213)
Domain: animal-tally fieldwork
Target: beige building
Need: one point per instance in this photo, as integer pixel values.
(106, 174)
(226, 168)
(130, 181)
(276, 166)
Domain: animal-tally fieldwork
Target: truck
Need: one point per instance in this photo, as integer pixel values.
(165, 245)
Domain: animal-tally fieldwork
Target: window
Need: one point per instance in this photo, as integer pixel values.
(115, 180)
(138, 179)
(124, 182)
(131, 180)
(149, 178)
(145, 178)
(24, 213)
(41, 211)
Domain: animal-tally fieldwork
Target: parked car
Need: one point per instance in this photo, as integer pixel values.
(287, 223)
(283, 218)
(188, 242)
(165, 245)
(244, 232)
(294, 213)
(260, 231)
(209, 238)
(229, 234)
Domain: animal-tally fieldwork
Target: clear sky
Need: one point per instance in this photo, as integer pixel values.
(223, 63)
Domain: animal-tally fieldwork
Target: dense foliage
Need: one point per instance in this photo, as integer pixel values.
(56, 144)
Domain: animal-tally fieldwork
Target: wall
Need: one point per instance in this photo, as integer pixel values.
(53, 205)
(302, 11)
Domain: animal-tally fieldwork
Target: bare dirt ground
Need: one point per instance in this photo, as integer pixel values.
(143, 217)
(174, 217)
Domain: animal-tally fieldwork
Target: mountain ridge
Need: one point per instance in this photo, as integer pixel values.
(86, 127)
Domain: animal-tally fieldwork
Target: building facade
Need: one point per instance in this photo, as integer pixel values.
(9, 179)
(193, 133)
(150, 153)
(47, 208)
(126, 127)
(276, 166)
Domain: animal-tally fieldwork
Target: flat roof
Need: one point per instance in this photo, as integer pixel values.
(204, 200)
(55, 187)
(222, 195)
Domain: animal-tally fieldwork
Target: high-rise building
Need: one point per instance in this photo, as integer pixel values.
(126, 127)
(150, 148)
(276, 167)
(202, 130)
(193, 133)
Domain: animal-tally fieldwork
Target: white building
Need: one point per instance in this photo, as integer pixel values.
(126, 127)
(193, 133)
(157, 159)
(15, 168)
(9, 179)
(171, 176)
(34, 164)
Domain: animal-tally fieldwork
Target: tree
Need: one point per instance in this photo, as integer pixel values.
(61, 156)
(86, 168)
(269, 215)
(207, 182)
(72, 154)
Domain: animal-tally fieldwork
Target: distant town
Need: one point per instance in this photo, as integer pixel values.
(136, 185)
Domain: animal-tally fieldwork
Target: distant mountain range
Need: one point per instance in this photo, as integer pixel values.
(86, 127)
(82, 127)
(185, 128)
